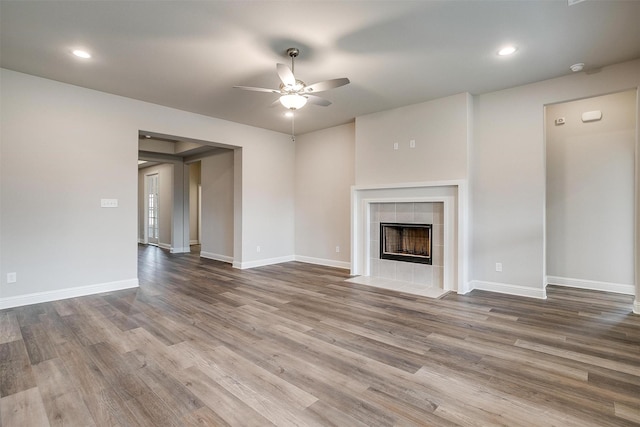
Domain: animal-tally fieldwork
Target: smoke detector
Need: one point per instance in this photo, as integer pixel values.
(577, 67)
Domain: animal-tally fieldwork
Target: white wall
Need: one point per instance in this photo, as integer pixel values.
(268, 216)
(590, 193)
(438, 165)
(440, 129)
(165, 206)
(84, 146)
(508, 174)
(217, 206)
(324, 175)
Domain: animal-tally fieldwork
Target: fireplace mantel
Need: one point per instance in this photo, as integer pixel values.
(451, 193)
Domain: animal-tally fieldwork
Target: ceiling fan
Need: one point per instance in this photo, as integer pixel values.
(294, 93)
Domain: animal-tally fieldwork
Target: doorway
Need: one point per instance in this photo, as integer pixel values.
(200, 186)
(590, 192)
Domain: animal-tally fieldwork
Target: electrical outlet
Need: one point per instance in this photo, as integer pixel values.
(395, 146)
(337, 248)
(257, 248)
(498, 266)
(12, 277)
(412, 143)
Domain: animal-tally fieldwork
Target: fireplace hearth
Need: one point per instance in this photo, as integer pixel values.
(406, 242)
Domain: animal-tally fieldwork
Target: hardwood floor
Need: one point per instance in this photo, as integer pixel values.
(200, 343)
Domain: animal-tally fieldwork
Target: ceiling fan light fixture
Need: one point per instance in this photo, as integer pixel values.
(81, 53)
(507, 50)
(293, 101)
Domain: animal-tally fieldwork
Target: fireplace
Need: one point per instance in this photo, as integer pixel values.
(439, 204)
(406, 242)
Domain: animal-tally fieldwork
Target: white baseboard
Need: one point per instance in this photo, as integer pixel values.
(180, 250)
(80, 291)
(164, 246)
(194, 242)
(617, 288)
(279, 260)
(465, 289)
(636, 306)
(217, 257)
(141, 241)
(263, 262)
(322, 261)
(507, 288)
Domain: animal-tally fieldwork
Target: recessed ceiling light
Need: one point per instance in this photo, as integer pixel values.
(507, 50)
(141, 162)
(147, 136)
(82, 54)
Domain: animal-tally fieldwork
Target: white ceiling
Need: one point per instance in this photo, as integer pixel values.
(189, 54)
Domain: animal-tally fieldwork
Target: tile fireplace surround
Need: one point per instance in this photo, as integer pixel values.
(409, 213)
(438, 203)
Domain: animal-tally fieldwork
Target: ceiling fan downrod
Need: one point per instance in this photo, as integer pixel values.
(293, 52)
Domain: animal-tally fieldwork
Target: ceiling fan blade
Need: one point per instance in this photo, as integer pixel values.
(257, 89)
(326, 85)
(316, 100)
(286, 75)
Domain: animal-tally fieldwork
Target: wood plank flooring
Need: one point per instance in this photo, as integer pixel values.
(202, 344)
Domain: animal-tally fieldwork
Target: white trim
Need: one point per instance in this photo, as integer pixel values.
(194, 242)
(594, 285)
(326, 262)
(141, 241)
(507, 288)
(80, 291)
(263, 262)
(636, 211)
(163, 245)
(180, 250)
(435, 191)
(449, 183)
(466, 288)
(216, 257)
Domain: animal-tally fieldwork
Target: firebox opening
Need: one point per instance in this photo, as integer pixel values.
(406, 242)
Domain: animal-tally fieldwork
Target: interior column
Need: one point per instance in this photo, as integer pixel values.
(180, 229)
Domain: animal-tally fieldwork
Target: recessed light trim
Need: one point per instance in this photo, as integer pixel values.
(81, 53)
(507, 50)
